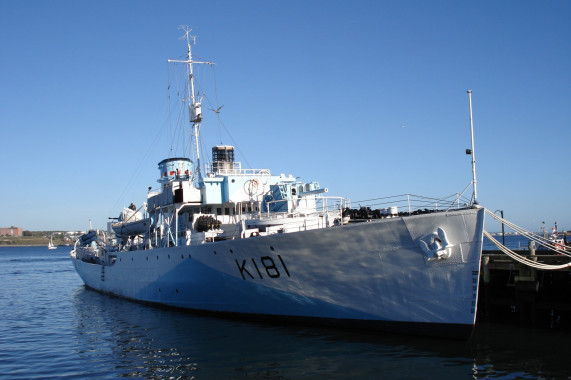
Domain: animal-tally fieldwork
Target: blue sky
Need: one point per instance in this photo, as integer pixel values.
(366, 97)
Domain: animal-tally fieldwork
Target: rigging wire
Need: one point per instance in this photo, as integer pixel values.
(171, 132)
(216, 100)
(136, 172)
(215, 107)
(178, 144)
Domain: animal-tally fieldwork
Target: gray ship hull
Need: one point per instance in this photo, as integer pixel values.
(372, 275)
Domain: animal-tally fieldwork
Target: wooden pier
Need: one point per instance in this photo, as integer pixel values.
(514, 292)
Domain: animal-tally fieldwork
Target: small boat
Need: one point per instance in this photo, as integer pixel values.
(131, 223)
(51, 243)
(559, 241)
(232, 241)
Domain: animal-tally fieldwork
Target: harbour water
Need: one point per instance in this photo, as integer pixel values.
(514, 242)
(52, 326)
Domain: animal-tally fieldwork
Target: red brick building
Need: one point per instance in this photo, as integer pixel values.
(12, 231)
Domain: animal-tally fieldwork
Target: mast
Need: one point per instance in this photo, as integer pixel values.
(194, 104)
(471, 151)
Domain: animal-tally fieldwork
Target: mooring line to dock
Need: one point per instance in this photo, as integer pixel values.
(522, 259)
(531, 236)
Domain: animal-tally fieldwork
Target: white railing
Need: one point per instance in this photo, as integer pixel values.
(411, 202)
(321, 206)
(236, 170)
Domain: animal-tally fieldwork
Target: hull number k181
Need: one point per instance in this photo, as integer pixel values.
(261, 267)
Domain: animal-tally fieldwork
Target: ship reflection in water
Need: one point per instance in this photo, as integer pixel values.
(122, 338)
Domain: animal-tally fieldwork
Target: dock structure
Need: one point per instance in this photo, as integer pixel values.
(514, 292)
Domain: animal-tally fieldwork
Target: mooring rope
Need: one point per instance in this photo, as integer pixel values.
(530, 235)
(522, 259)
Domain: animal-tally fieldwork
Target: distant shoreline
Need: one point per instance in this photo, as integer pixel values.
(29, 241)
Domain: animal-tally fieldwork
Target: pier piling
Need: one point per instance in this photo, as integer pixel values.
(513, 292)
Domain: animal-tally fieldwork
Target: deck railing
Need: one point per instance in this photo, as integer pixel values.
(411, 202)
